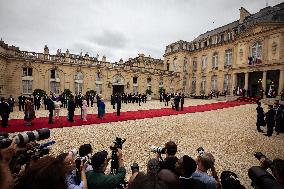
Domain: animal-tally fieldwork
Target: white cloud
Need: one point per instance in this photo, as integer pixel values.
(115, 28)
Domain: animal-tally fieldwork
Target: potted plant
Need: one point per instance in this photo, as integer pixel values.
(148, 93)
(41, 93)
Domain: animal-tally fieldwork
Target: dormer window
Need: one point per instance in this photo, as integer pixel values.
(27, 72)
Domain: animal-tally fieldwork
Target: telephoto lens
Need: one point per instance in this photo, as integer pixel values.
(159, 150)
(134, 168)
(24, 138)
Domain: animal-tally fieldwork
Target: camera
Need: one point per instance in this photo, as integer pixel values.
(24, 138)
(114, 160)
(266, 163)
(159, 150)
(134, 168)
(200, 151)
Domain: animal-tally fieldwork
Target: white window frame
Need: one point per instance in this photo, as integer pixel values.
(228, 57)
(204, 62)
(214, 83)
(27, 86)
(99, 88)
(256, 50)
(215, 60)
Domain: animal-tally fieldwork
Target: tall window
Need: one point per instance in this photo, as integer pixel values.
(168, 65)
(135, 89)
(228, 57)
(78, 83)
(27, 72)
(194, 64)
(175, 65)
(54, 74)
(79, 76)
(27, 86)
(227, 80)
(203, 85)
(215, 60)
(149, 81)
(185, 64)
(241, 54)
(256, 50)
(99, 88)
(214, 83)
(135, 79)
(98, 76)
(54, 87)
(204, 62)
(193, 85)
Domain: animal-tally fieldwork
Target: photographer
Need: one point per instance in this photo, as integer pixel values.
(170, 161)
(205, 162)
(97, 178)
(261, 178)
(86, 150)
(6, 155)
(69, 161)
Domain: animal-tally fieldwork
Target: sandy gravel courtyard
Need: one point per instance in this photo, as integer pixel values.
(229, 134)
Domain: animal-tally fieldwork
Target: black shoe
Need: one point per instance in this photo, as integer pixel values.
(277, 133)
(261, 131)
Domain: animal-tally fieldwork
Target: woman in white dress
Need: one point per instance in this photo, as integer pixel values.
(57, 105)
(85, 109)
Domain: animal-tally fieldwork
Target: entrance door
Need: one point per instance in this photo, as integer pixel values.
(118, 89)
(254, 83)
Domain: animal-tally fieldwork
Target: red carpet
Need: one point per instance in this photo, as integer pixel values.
(18, 125)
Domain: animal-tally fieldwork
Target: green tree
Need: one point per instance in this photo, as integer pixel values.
(91, 92)
(148, 91)
(67, 92)
(39, 92)
(162, 90)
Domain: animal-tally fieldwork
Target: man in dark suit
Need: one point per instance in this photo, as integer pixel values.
(71, 108)
(181, 102)
(270, 120)
(118, 104)
(98, 103)
(5, 112)
(51, 108)
(92, 100)
(11, 102)
(112, 101)
(22, 100)
(37, 102)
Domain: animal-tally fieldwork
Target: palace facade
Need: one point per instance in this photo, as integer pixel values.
(247, 53)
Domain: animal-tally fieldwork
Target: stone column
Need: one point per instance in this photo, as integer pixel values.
(234, 82)
(281, 81)
(246, 80)
(264, 74)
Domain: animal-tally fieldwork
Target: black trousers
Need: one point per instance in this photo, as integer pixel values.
(11, 108)
(181, 107)
(81, 112)
(5, 118)
(278, 126)
(70, 116)
(269, 130)
(50, 117)
(118, 112)
(21, 107)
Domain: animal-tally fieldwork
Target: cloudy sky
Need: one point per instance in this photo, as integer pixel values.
(115, 28)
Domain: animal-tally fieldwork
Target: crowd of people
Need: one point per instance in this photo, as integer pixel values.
(274, 117)
(88, 170)
(176, 100)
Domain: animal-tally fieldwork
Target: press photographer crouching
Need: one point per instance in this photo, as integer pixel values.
(205, 163)
(97, 179)
(170, 160)
(262, 179)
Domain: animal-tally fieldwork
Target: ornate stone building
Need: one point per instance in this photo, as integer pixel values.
(247, 53)
(22, 72)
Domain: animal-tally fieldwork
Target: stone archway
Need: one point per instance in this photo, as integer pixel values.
(118, 83)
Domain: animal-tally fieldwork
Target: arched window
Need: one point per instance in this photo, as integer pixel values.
(78, 84)
(193, 85)
(256, 50)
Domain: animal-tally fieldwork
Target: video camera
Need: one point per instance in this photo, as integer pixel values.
(24, 138)
(78, 162)
(157, 149)
(200, 151)
(114, 159)
(260, 177)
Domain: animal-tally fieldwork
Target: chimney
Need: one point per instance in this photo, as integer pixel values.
(46, 50)
(243, 14)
